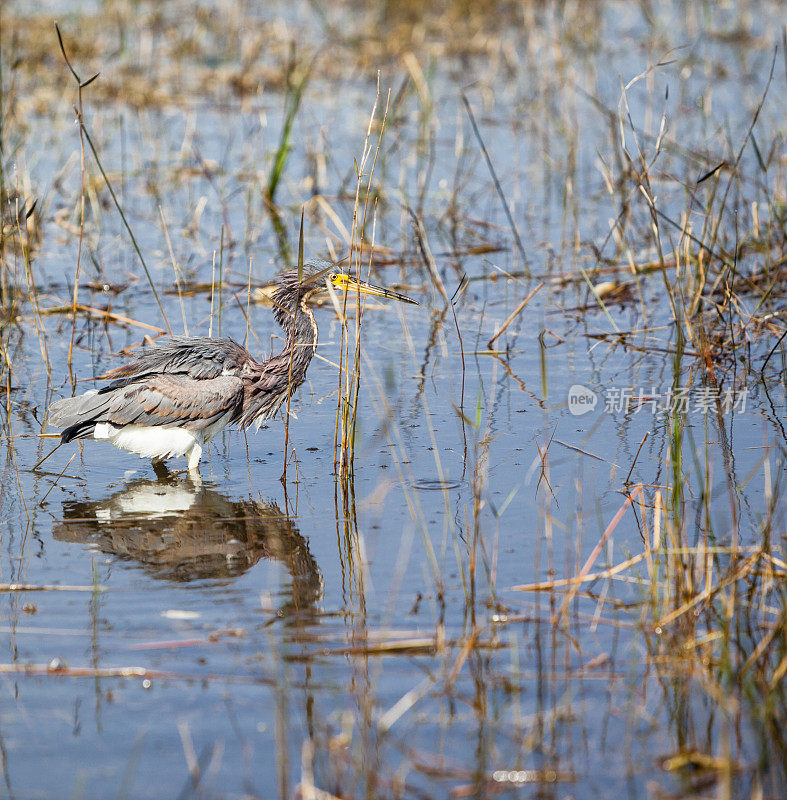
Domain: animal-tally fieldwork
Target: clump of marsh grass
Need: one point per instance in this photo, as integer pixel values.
(297, 80)
(714, 617)
(86, 137)
(364, 210)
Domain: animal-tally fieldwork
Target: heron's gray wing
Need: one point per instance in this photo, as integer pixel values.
(199, 358)
(158, 400)
(174, 400)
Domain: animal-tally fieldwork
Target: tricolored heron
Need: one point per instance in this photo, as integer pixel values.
(180, 394)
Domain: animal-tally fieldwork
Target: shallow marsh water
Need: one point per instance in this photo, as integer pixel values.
(253, 638)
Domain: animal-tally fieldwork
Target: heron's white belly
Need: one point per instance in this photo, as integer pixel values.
(148, 441)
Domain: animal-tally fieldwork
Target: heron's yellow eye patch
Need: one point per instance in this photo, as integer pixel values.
(339, 280)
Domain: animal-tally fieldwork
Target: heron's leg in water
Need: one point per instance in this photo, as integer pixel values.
(160, 468)
(194, 456)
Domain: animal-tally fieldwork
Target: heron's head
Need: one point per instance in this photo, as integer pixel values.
(320, 276)
(342, 282)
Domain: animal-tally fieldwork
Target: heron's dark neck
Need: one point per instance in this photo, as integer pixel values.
(297, 316)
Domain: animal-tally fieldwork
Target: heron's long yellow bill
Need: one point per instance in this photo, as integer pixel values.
(349, 284)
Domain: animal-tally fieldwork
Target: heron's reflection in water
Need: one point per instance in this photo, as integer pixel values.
(179, 531)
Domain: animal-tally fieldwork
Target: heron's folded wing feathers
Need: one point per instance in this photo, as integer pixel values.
(70, 410)
(174, 400)
(199, 358)
(159, 400)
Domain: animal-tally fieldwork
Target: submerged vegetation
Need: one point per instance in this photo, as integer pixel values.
(538, 547)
